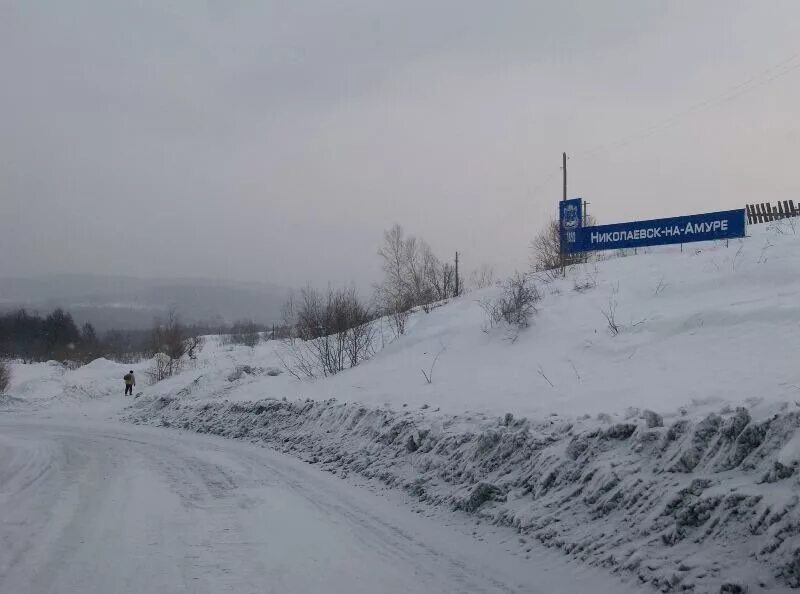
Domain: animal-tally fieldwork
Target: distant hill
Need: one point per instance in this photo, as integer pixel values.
(132, 303)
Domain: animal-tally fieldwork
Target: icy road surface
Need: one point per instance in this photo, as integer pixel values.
(102, 507)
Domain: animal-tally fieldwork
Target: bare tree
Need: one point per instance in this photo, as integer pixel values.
(5, 376)
(431, 281)
(407, 262)
(394, 255)
(515, 305)
(398, 310)
(546, 248)
(546, 255)
(333, 331)
(168, 340)
(359, 338)
(173, 336)
(394, 293)
(289, 317)
(440, 280)
(413, 277)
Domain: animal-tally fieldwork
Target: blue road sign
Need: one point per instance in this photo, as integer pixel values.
(727, 224)
(570, 221)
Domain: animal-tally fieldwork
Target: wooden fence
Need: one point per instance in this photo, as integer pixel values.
(765, 212)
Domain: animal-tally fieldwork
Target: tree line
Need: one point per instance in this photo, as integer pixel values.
(32, 337)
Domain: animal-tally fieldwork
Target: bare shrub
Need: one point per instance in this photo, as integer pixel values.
(610, 313)
(359, 338)
(518, 300)
(429, 374)
(332, 332)
(584, 284)
(5, 376)
(169, 344)
(491, 312)
(162, 368)
(298, 359)
(515, 305)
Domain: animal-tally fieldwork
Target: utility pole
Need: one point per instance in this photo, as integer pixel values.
(561, 249)
(457, 287)
(585, 224)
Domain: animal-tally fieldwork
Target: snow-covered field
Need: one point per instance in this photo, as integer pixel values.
(667, 453)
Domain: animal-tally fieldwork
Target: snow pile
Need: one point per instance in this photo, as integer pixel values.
(634, 496)
(40, 385)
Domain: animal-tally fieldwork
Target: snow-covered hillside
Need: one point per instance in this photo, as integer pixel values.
(666, 452)
(699, 328)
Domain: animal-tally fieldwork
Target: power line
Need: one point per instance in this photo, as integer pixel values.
(758, 80)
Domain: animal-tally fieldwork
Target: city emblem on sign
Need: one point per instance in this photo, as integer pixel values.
(571, 219)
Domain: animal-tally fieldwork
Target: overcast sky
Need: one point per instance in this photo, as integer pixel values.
(275, 141)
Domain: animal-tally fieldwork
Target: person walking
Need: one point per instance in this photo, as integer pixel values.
(130, 382)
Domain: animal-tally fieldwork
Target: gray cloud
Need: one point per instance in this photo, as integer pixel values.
(276, 142)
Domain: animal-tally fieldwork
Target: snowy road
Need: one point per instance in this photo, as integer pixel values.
(102, 507)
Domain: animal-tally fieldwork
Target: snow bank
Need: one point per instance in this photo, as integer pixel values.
(633, 496)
